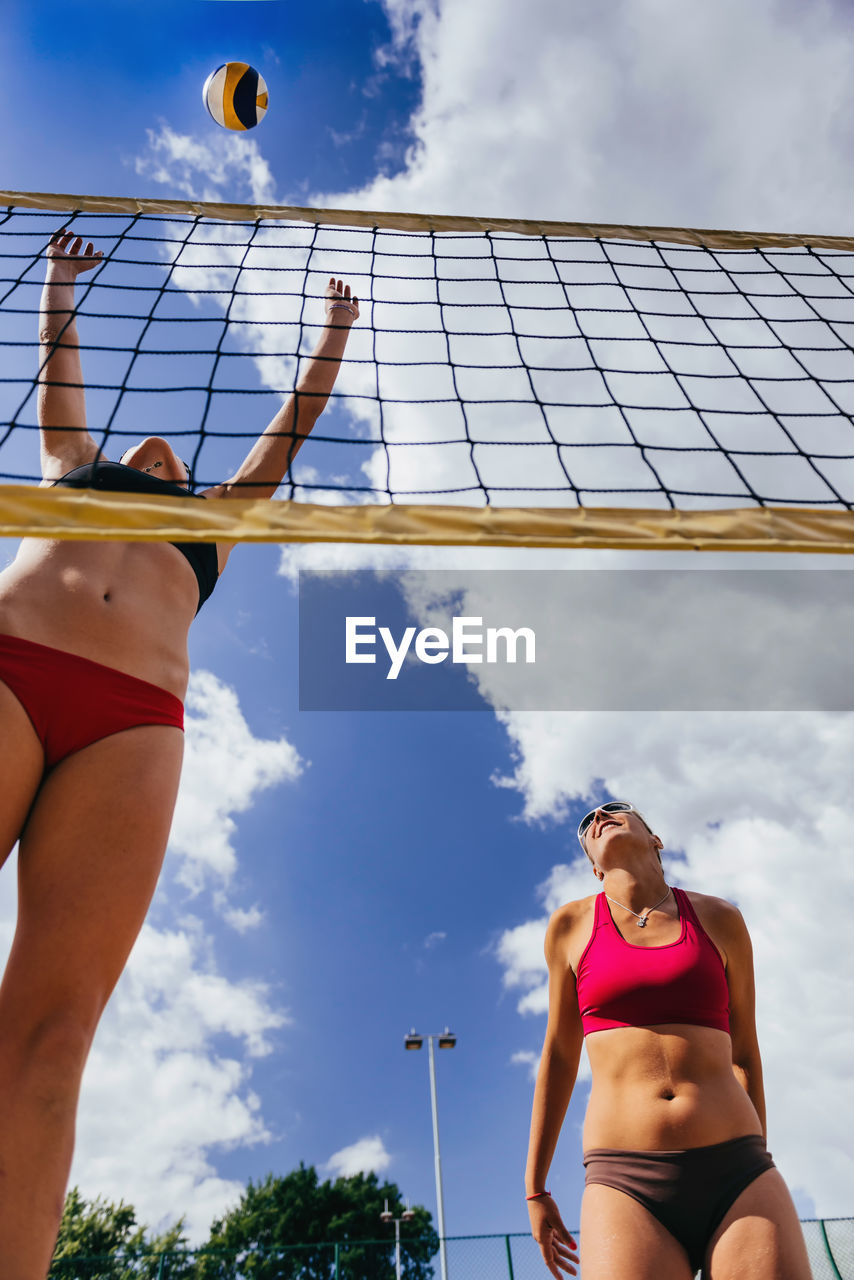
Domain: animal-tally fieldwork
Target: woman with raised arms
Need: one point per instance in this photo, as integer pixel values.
(93, 670)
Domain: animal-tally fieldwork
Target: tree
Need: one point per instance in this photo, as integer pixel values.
(99, 1240)
(287, 1228)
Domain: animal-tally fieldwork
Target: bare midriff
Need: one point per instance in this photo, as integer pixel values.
(124, 604)
(664, 1089)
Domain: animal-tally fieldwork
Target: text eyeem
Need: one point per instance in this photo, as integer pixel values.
(468, 642)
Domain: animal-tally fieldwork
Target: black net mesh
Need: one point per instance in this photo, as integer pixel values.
(488, 368)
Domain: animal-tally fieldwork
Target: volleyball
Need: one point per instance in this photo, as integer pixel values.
(236, 95)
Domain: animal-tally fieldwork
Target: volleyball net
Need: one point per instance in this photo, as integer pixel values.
(508, 383)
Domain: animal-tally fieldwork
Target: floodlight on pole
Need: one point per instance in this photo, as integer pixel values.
(388, 1216)
(447, 1040)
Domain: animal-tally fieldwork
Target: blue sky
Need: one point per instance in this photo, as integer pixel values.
(101, 74)
(335, 878)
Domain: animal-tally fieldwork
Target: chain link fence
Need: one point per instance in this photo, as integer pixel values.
(830, 1242)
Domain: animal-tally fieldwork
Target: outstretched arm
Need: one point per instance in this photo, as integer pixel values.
(65, 442)
(555, 1082)
(268, 460)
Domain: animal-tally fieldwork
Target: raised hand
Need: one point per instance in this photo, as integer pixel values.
(65, 259)
(341, 308)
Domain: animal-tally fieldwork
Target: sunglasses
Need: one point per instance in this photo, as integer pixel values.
(613, 806)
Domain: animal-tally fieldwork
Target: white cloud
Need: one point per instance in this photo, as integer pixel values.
(225, 767)
(527, 1058)
(390, 558)
(367, 1155)
(161, 1096)
(433, 939)
(242, 920)
(639, 111)
(225, 166)
(315, 556)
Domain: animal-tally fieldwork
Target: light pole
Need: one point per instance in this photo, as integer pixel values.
(388, 1216)
(446, 1040)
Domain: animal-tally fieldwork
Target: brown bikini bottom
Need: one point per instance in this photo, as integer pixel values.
(689, 1192)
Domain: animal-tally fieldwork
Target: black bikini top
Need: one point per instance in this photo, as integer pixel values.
(115, 477)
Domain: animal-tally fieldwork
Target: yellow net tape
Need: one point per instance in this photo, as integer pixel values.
(78, 514)
(709, 239)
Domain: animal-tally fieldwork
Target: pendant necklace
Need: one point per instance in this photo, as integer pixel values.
(641, 919)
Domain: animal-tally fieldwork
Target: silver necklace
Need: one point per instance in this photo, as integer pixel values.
(641, 919)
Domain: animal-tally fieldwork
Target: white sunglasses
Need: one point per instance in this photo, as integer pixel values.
(612, 806)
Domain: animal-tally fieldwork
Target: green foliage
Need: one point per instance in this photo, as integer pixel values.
(99, 1240)
(283, 1228)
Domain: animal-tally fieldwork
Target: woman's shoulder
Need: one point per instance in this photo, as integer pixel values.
(568, 933)
(567, 918)
(719, 917)
(710, 904)
(74, 456)
(573, 910)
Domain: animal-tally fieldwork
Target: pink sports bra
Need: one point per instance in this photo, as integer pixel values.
(621, 985)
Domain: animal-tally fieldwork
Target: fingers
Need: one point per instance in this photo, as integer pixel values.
(553, 1267)
(565, 1251)
(60, 240)
(563, 1244)
(559, 1257)
(69, 245)
(341, 290)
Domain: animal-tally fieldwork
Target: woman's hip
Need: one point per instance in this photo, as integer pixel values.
(74, 701)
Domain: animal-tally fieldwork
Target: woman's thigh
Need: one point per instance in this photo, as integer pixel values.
(21, 766)
(89, 858)
(620, 1238)
(760, 1238)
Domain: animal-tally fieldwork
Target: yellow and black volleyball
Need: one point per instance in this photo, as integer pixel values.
(236, 95)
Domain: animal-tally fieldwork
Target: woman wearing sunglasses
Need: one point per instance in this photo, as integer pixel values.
(93, 670)
(660, 984)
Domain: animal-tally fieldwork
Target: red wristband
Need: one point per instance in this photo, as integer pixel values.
(537, 1195)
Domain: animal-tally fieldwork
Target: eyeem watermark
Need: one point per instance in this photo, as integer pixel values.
(468, 642)
(603, 640)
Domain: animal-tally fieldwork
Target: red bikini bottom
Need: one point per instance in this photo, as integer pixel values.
(73, 702)
(690, 1191)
